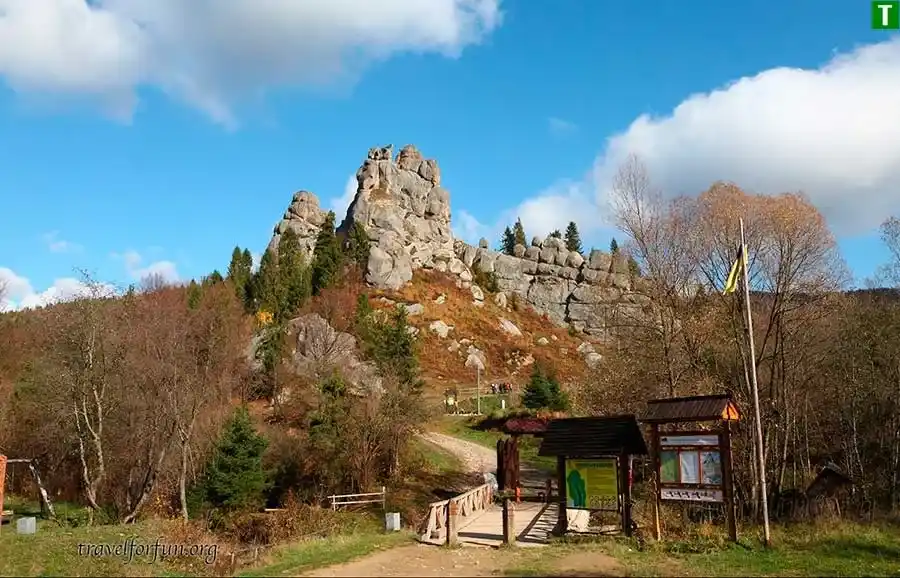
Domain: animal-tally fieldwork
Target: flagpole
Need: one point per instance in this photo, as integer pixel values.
(761, 465)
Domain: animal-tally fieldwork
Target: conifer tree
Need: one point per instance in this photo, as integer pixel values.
(519, 233)
(239, 272)
(573, 238)
(508, 242)
(327, 261)
(359, 245)
(194, 294)
(556, 234)
(235, 477)
(293, 276)
(543, 391)
(613, 246)
(265, 283)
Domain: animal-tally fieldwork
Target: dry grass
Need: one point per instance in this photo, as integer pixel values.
(442, 368)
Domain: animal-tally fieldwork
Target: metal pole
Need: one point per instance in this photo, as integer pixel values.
(755, 389)
(478, 387)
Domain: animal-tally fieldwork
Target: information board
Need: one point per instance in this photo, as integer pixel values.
(592, 484)
(690, 468)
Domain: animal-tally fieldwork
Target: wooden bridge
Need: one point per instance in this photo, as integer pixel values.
(472, 518)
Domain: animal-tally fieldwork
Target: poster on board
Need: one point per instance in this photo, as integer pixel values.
(690, 468)
(592, 484)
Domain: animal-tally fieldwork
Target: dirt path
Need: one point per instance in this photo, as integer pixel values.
(473, 561)
(479, 459)
(474, 457)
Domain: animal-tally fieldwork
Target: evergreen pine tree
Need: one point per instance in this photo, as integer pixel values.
(556, 234)
(613, 246)
(265, 286)
(239, 272)
(293, 276)
(519, 233)
(327, 261)
(235, 477)
(573, 238)
(359, 245)
(213, 278)
(543, 391)
(194, 294)
(634, 267)
(508, 242)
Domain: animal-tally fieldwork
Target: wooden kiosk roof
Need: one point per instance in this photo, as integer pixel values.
(695, 408)
(593, 437)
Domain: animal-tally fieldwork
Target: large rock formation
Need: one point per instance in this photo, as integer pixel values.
(303, 216)
(406, 213)
(591, 294)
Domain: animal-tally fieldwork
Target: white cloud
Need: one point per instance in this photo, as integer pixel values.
(468, 228)
(560, 126)
(57, 245)
(828, 132)
(340, 204)
(20, 294)
(210, 53)
(137, 271)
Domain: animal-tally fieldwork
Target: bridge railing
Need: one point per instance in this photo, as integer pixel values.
(443, 520)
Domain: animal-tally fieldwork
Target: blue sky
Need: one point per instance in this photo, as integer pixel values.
(159, 147)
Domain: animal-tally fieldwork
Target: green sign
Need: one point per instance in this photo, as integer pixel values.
(592, 484)
(886, 15)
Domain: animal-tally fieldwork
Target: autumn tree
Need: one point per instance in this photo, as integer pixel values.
(508, 242)
(573, 238)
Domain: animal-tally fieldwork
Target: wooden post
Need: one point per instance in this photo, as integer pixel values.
(654, 451)
(509, 522)
(625, 467)
(501, 465)
(562, 518)
(452, 523)
(2, 483)
(728, 480)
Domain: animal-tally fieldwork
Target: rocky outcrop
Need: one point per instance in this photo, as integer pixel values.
(592, 294)
(319, 349)
(305, 217)
(406, 213)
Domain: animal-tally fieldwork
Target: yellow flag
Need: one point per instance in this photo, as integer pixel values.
(735, 273)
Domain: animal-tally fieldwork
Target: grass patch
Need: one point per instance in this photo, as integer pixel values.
(307, 555)
(437, 458)
(54, 551)
(845, 550)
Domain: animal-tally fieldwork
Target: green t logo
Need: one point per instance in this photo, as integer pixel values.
(886, 15)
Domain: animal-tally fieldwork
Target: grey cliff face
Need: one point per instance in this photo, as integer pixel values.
(406, 213)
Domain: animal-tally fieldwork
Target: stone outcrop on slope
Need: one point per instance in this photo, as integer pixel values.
(305, 217)
(592, 294)
(406, 213)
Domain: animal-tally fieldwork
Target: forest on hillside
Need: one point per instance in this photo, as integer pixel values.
(128, 400)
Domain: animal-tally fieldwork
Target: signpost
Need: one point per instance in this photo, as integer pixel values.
(693, 466)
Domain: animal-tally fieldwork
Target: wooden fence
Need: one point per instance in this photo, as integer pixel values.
(444, 517)
(340, 500)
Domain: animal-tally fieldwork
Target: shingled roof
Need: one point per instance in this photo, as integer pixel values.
(696, 408)
(593, 437)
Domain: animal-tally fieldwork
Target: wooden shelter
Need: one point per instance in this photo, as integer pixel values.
(693, 466)
(593, 463)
